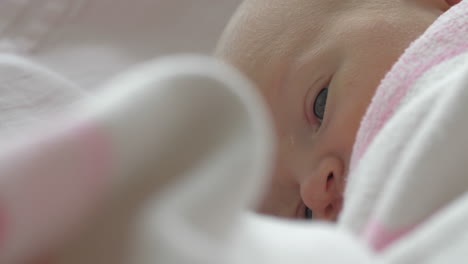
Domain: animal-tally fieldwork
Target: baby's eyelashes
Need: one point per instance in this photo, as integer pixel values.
(308, 214)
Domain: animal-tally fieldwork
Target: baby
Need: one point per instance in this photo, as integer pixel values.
(318, 63)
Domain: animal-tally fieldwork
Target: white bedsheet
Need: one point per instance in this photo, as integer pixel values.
(54, 52)
(88, 41)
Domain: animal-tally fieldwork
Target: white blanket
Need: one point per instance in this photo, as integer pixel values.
(407, 192)
(160, 167)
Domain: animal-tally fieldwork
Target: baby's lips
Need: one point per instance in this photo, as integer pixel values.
(452, 2)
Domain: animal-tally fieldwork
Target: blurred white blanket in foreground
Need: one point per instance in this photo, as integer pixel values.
(159, 167)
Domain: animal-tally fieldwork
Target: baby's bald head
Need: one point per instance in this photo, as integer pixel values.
(262, 30)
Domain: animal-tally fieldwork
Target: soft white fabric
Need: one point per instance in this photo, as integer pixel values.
(54, 52)
(171, 156)
(420, 157)
(408, 181)
(29, 93)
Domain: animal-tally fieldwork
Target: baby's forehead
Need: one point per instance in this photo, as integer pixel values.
(263, 30)
(265, 19)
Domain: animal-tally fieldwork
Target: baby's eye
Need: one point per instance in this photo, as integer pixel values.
(308, 213)
(320, 103)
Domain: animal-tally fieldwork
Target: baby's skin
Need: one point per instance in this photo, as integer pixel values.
(317, 64)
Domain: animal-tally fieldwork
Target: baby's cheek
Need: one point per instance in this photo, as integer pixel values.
(44, 260)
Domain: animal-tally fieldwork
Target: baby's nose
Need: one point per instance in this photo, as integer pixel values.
(322, 192)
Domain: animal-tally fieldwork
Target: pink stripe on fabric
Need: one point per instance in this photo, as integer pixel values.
(97, 151)
(380, 236)
(94, 148)
(419, 71)
(446, 38)
(52, 201)
(400, 92)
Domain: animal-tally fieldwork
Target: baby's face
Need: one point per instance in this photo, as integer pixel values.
(317, 64)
